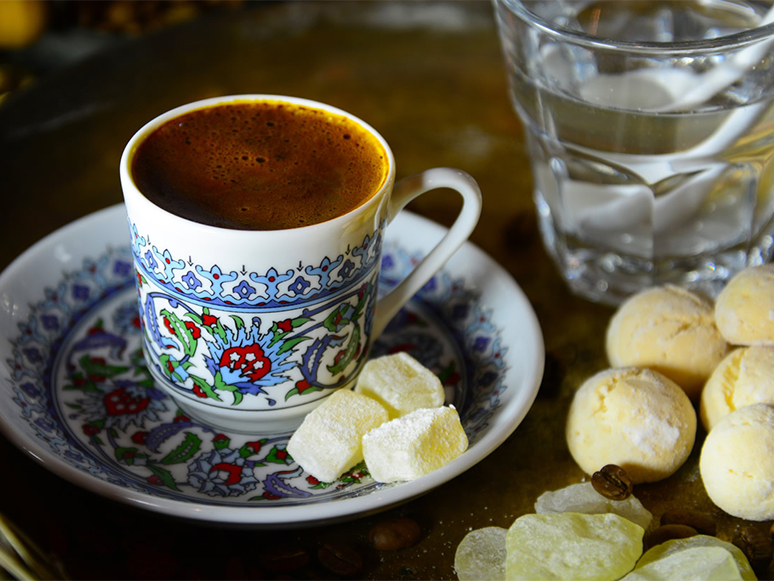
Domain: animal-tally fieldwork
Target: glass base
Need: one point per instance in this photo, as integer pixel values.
(610, 277)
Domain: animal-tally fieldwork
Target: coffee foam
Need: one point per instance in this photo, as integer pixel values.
(259, 165)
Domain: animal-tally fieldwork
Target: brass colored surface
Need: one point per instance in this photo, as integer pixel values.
(430, 78)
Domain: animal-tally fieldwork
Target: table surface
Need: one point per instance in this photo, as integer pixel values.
(430, 78)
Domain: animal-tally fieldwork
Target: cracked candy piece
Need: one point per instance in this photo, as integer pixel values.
(414, 445)
(572, 546)
(697, 557)
(329, 441)
(670, 330)
(744, 377)
(737, 463)
(634, 418)
(584, 499)
(481, 555)
(744, 309)
(401, 384)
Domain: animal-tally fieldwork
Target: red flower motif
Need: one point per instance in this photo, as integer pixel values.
(195, 332)
(155, 479)
(285, 326)
(169, 326)
(254, 447)
(120, 403)
(90, 429)
(269, 496)
(209, 320)
(220, 438)
(233, 472)
(282, 454)
(139, 437)
(181, 418)
(199, 392)
(302, 386)
(170, 366)
(249, 360)
(312, 480)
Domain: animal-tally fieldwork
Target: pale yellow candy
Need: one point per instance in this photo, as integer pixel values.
(745, 307)
(571, 545)
(744, 377)
(481, 555)
(737, 464)
(401, 384)
(635, 418)
(697, 558)
(329, 441)
(701, 564)
(583, 498)
(414, 445)
(670, 330)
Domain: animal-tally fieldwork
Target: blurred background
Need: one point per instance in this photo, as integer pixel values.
(38, 37)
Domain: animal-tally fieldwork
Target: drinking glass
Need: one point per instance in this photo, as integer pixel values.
(651, 137)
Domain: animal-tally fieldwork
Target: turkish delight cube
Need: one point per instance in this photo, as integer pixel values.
(414, 445)
(329, 441)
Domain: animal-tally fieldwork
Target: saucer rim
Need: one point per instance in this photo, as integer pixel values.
(498, 283)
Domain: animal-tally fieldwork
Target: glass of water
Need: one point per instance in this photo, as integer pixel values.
(650, 129)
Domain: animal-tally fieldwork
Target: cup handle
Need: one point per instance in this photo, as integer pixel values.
(403, 192)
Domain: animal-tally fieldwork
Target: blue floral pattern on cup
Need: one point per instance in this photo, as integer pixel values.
(230, 337)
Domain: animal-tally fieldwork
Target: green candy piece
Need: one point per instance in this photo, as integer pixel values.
(570, 545)
(700, 557)
(481, 555)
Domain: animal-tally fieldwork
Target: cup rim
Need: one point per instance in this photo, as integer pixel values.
(730, 41)
(127, 181)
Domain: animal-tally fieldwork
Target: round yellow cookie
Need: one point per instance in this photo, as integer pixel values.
(737, 463)
(670, 330)
(635, 418)
(744, 309)
(744, 377)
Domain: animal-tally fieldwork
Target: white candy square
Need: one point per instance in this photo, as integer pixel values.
(329, 441)
(401, 384)
(415, 444)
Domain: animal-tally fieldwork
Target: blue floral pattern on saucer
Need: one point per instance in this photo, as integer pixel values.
(80, 381)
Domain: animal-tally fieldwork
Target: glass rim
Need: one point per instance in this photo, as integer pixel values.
(729, 41)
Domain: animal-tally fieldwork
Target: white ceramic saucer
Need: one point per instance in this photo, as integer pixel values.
(76, 396)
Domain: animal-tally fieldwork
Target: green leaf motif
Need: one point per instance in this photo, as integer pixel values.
(125, 455)
(279, 455)
(295, 391)
(349, 354)
(205, 387)
(332, 324)
(165, 476)
(181, 332)
(99, 369)
(290, 343)
(184, 451)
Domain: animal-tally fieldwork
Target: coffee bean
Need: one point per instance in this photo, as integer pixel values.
(394, 534)
(612, 482)
(668, 532)
(697, 519)
(340, 559)
(283, 559)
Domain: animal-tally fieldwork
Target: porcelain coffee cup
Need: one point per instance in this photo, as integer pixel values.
(250, 330)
